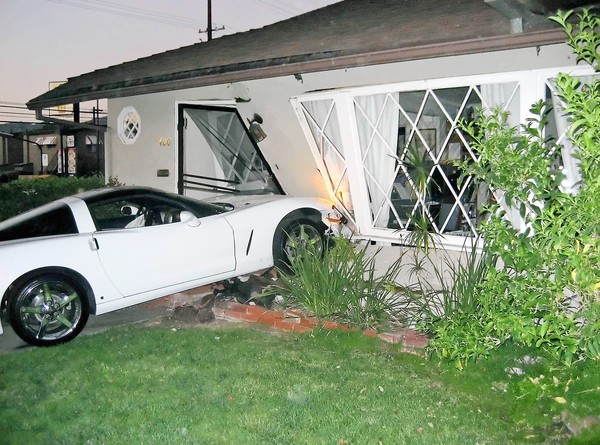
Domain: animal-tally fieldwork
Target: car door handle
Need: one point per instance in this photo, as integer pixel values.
(94, 244)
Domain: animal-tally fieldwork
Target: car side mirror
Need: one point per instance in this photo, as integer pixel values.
(189, 218)
(128, 210)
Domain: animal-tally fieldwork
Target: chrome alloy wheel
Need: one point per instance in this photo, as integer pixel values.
(47, 310)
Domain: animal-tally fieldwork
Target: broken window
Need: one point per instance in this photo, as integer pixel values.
(388, 153)
(217, 154)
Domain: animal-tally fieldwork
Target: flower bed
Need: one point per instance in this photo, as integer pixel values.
(295, 321)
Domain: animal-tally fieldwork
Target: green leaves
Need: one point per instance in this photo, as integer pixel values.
(547, 293)
(583, 37)
(25, 194)
(342, 284)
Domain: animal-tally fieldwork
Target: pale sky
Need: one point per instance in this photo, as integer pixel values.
(51, 40)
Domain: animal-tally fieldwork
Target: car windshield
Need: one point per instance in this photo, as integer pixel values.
(142, 208)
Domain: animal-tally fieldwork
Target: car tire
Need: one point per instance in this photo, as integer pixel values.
(47, 309)
(292, 234)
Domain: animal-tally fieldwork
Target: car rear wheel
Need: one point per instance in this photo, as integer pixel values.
(292, 236)
(47, 309)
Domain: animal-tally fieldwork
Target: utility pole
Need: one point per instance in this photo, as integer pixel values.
(209, 28)
(209, 24)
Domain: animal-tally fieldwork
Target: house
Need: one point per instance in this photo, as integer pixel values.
(352, 101)
(34, 148)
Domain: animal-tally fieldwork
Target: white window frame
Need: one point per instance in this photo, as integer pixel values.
(532, 87)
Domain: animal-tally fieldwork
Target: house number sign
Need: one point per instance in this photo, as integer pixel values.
(164, 141)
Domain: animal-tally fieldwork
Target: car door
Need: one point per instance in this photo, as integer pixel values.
(143, 258)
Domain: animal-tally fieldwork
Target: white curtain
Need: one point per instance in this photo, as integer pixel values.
(377, 125)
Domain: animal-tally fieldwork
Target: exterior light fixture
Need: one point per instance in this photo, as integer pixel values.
(255, 129)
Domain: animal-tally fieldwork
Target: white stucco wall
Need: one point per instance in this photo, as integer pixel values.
(285, 147)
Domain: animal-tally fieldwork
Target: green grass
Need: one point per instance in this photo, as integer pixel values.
(230, 385)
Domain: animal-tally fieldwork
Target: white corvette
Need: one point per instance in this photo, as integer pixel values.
(104, 250)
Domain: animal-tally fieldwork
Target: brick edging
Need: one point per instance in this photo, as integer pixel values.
(294, 321)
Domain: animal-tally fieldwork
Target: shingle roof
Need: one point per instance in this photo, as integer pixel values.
(345, 34)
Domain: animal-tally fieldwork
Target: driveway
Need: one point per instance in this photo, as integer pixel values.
(9, 341)
(174, 305)
(151, 310)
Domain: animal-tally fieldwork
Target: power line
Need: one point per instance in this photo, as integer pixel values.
(19, 107)
(16, 113)
(150, 16)
(278, 7)
(12, 110)
(5, 102)
(141, 11)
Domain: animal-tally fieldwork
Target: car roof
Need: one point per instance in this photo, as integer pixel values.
(91, 196)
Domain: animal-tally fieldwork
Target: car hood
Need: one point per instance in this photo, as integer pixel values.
(239, 201)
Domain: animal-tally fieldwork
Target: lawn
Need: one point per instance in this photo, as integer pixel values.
(228, 385)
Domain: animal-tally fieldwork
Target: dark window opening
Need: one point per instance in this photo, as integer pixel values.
(58, 221)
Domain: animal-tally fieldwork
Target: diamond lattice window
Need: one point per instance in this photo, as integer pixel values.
(405, 147)
(409, 143)
(129, 125)
(395, 148)
(322, 120)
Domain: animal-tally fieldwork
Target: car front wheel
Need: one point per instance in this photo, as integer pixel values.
(292, 236)
(47, 309)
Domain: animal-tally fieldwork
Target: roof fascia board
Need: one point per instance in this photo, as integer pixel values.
(53, 120)
(330, 61)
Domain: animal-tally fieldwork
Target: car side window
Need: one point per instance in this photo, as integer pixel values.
(58, 221)
(113, 214)
(156, 214)
(135, 212)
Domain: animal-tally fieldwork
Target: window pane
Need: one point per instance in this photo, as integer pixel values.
(323, 123)
(58, 221)
(219, 154)
(420, 178)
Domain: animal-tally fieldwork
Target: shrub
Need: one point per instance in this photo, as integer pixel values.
(25, 194)
(341, 285)
(545, 292)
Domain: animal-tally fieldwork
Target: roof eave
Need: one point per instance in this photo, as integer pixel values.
(304, 64)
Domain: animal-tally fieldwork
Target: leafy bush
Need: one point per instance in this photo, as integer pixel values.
(444, 302)
(341, 285)
(452, 287)
(25, 194)
(545, 292)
